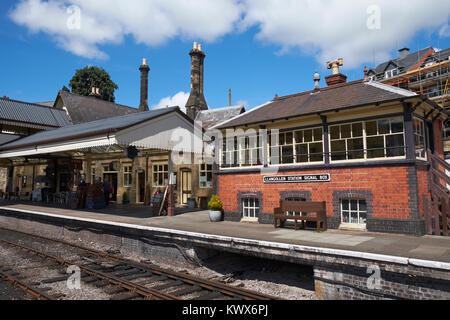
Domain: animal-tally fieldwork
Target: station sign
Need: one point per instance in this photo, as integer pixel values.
(298, 178)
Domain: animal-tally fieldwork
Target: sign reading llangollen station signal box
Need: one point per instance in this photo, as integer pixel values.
(298, 178)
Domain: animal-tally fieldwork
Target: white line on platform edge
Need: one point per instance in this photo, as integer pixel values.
(353, 254)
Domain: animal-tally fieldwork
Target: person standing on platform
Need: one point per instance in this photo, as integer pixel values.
(106, 190)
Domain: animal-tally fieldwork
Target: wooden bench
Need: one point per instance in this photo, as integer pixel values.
(304, 207)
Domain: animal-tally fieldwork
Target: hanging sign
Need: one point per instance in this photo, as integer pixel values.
(298, 178)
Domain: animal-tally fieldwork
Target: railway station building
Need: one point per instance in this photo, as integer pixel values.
(90, 143)
(361, 146)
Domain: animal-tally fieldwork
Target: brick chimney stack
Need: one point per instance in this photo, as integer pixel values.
(336, 77)
(144, 68)
(196, 101)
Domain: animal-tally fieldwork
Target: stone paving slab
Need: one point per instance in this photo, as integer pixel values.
(427, 247)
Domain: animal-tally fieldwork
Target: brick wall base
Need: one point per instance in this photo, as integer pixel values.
(402, 226)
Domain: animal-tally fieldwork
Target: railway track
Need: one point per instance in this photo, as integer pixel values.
(124, 279)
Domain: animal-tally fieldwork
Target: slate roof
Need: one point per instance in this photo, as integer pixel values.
(89, 128)
(30, 114)
(347, 95)
(439, 56)
(84, 109)
(403, 64)
(213, 117)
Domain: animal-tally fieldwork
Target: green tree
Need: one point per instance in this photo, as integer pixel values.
(85, 79)
(64, 88)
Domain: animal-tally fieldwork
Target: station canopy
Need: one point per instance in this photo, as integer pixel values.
(164, 129)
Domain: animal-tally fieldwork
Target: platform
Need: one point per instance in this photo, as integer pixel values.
(432, 250)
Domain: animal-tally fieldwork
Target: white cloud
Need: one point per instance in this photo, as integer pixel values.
(151, 22)
(180, 99)
(339, 29)
(445, 31)
(325, 29)
(243, 103)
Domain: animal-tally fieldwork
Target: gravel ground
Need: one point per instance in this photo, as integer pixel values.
(279, 279)
(9, 292)
(33, 269)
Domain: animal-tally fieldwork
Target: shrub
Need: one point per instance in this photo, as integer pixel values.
(124, 197)
(215, 203)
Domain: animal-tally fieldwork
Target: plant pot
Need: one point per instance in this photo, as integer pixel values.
(215, 216)
(125, 201)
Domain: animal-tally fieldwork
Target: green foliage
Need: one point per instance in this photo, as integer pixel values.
(124, 196)
(65, 89)
(85, 79)
(215, 203)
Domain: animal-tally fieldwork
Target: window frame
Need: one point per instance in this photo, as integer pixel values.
(365, 139)
(423, 136)
(256, 209)
(158, 173)
(127, 173)
(205, 170)
(294, 145)
(350, 211)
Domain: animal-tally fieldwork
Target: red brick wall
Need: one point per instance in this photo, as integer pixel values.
(422, 179)
(389, 186)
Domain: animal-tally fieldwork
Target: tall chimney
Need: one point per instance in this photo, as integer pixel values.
(316, 79)
(336, 77)
(144, 68)
(196, 101)
(229, 97)
(403, 53)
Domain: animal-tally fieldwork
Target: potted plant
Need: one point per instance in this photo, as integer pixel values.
(215, 204)
(125, 198)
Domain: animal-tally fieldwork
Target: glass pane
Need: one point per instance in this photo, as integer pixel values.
(397, 125)
(316, 151)
(354, 205)
(375, 147)
(299, 136)
(362, 217)
(308, 135)
(346, 131)
(245, 212)
(371, 128)
(318, 134)
(282, 139)
(334, 133)
(289, 137)
(345, 204)
(383, 126)
(287, 154)
(362, 205)
(302, 152)
(395, 145)
(357, 130)
(338, 150)
(345, 217)
(256, 203)
(355, 148)
(354, 217)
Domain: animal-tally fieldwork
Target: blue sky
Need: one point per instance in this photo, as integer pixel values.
(253, 48)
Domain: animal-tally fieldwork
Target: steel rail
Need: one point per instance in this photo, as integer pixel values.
(24, 287)
(148, 293)
(209, 285)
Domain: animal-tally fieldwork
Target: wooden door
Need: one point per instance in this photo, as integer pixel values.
(186, 186)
